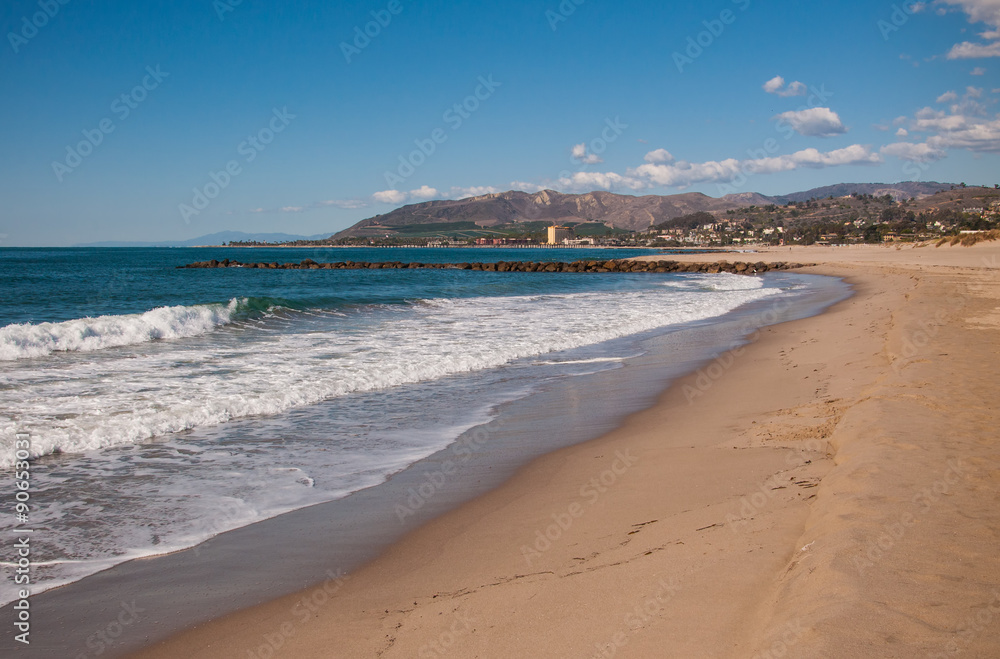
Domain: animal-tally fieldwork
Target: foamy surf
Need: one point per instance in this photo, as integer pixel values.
(303, 393)
(115, 399)
(27, 340)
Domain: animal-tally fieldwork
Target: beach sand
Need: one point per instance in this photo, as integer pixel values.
(829, 490)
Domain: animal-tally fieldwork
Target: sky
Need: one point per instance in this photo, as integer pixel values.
(149, 121)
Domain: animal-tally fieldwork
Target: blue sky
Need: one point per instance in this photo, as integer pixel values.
(170, 120)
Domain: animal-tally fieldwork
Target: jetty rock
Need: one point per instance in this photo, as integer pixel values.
(620, 265)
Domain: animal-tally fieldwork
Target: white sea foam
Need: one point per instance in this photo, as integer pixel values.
(718, 282)
(111, 399)
(27, 340)
(178, 491)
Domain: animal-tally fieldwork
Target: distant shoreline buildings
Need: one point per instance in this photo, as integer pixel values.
(557, 234)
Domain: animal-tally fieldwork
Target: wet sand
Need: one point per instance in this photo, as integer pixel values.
(829, 490)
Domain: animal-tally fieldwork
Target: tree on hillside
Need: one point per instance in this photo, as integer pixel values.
(689, 221)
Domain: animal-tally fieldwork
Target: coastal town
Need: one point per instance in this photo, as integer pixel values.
(835, 220)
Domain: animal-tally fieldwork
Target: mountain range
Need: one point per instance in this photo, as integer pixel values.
(514, 207)
(634, 213)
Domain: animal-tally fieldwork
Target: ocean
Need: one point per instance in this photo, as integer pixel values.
(166, 406)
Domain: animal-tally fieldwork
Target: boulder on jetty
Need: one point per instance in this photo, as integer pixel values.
(622, 265)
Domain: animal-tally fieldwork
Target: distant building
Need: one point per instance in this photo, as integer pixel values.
(557, 234)
(504, 241)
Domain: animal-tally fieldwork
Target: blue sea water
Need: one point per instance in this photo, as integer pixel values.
(167, 405)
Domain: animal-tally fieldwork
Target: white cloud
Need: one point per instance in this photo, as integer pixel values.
(978, 11)
(587, 181)
(966, 125)
(579, 153)
(776, 85)
(658, 155)
(292, 209)
(472, 191)
(969, 50)
(682, 174)
(855, 154)
(661, 170)
(902, 132)
(389, 197)
(971, 133)
(525, 186)
(424, 192)
(978, 71)
(913, 152)
(794, 89)
(345, 203)
(813, 122)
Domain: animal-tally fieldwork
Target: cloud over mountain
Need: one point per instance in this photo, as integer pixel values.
(813, 122)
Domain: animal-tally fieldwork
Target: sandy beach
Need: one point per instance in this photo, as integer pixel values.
(828, 490)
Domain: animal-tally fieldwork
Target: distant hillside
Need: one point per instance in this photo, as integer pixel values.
(504, 208)
(613, 210)
(899, 191)
(211, 239)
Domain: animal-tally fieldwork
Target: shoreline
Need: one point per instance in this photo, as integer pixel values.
(291, 606)
(649, 561)
(363, 524)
